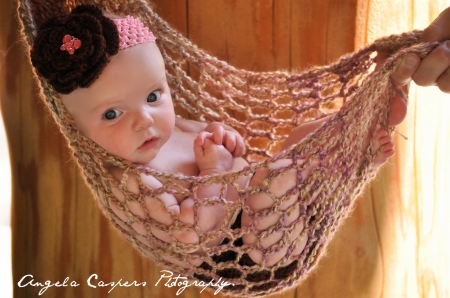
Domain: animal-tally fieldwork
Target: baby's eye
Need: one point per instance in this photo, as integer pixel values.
(154, 96)
(111, 114)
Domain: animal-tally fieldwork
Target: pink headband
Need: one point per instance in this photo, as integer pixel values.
(71, 50)
(131, 32)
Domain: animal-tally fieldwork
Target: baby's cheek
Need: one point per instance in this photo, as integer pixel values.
(116, 142)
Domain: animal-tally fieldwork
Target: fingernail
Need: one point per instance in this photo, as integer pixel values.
(447, 44)
(411, 61)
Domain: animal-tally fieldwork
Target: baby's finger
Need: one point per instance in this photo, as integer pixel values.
(230, 143)
(240, 147)
(202, 136)
(198, 140)
(218, 135)
(208, 143)
(198, 148)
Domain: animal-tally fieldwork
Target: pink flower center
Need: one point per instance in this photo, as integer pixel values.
(70, 44)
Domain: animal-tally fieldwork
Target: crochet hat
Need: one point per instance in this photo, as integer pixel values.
(71, 50)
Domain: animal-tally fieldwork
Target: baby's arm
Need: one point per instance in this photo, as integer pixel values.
(214, 149)
(211, 159)
(303, 130)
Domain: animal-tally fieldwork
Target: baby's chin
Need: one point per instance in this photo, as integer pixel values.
(142, 161)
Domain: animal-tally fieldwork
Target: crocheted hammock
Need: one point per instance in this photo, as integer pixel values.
(264, 107)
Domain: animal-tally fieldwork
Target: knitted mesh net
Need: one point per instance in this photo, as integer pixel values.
(264, 107)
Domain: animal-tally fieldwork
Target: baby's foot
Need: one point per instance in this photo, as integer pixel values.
(397, 113)
(382, 139)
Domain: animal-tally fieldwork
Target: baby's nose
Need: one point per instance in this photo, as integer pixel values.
(143, 120)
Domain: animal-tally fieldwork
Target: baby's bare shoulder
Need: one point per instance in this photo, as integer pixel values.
(187, 125)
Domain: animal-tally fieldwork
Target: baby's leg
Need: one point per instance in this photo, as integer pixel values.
(397, 114)
(300, 132)
(287, 214)
(280, 185)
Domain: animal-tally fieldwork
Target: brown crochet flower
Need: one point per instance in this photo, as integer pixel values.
(67, 69)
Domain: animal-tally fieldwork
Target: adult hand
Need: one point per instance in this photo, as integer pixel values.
(434, 69)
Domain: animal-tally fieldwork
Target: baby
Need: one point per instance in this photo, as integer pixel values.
(126, 108)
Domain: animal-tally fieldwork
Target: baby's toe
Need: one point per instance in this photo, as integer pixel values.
(388, 147)
(380, 133)
(386, 152)
(381, 137)
(384, 141)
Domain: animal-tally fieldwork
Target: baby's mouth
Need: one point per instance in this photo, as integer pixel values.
(149, 144)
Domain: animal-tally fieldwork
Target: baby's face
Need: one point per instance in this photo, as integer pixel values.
(128, 110)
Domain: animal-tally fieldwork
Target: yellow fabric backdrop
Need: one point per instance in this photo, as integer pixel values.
(394, 244)
(415, 189)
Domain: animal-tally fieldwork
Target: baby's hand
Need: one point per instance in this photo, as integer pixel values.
(231, 139)
(210, 157)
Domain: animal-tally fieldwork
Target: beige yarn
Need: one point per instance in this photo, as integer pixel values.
(264, 107)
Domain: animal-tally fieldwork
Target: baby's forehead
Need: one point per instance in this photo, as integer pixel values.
(131, 70)
(81, 99)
